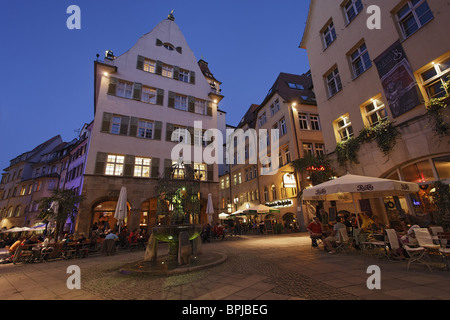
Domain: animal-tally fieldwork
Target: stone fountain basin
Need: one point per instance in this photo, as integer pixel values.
(171, 233)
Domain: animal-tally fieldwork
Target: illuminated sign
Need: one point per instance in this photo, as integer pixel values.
(289, 180)
(280, 204)
(314, 168)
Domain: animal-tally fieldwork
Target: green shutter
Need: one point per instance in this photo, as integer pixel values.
(133, 127)
(128, 166)
(140, 63)
(112, 86)
(100, 163)
(155, 168)
(160, 97)
(158, 69)
(106, 122)
(209, 109)
(192, 77)
(137, 90)
(191, 104)
(124, 125)
(169, 130)
(157, 130)
(171, 102)
(210, 172)
(176, 72)
(167, 168)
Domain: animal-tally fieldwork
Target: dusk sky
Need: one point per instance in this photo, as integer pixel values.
(46, 70)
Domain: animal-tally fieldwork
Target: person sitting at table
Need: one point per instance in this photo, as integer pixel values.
(315, 231)
(15, 245)
(334, 236)
(47, 245)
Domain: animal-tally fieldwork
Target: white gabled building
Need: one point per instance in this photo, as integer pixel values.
(141, 98)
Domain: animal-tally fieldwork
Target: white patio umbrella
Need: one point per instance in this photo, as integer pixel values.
(15, 229)
(355, 187)
(121, 207)
(210, 209)
(223, 215)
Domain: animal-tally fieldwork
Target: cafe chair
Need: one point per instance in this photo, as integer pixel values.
(424, 238)
(344, 242)
(444, 250)
(393, 244)
(435, 233)
(416, 254)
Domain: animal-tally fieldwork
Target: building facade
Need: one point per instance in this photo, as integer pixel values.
(372, 80)
(153, 104)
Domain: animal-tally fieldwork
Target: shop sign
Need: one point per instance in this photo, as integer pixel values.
(280, 203)
(314, 168)
(289, 180)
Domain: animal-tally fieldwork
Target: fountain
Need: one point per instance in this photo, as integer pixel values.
(179, 205)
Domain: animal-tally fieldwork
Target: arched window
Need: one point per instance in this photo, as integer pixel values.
(17, 211)
(274, 192)
(266, 194)
(10, 212)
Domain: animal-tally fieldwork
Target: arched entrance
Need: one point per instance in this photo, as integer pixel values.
(103, 214)
(290, 221)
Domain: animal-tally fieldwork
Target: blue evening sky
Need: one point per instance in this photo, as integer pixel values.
(46, 70)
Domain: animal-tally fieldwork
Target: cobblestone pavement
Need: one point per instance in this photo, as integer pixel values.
(258, 267)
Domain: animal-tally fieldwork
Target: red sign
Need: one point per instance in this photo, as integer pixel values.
(313, 168)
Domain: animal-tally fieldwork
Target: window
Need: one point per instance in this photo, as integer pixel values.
(375, 112)
(274, 107)
(266, 194)
(222, 183)
(145, 129)
(314, 122)
(334, 82)
(142, 167)
(115, 124)
(296, 86)
(198, 138)
(303, 119)
(183, 75)
(227, 182)
(124, 89)
(319, 148)
(168, 46)
(262, 119)
(360, 60)
(434, 78)
(329, 34)
(179, 134)
(283, 129)
(114, 165)
(181, 102)
(17, 211)
(307, 148)
(352, 8)
(344, 128)
(167, 71)
(149, 65)
(200, 106)
(287, 155)
(148, 95)
(22, 191)
(200, 171)
(413, 15)
(274, 192)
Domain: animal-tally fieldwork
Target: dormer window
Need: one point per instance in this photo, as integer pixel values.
(168, 46)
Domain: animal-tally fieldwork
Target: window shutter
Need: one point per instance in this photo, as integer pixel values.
(171, 102)
(169, 130)
(191, 134)
(133, 127)
(167, 168)
(155, 168)
(137, 90)
(159, 43)
(100, 162)
(106, 122)
(112, 86)
(209, 109)
(124, 125)
(210, 172)
(179, 50)
(160, 96)
(158, 69)
(128, 166)
(192, 77)
(157, 125)
(191, 104)
(176, 72)
(140, 63)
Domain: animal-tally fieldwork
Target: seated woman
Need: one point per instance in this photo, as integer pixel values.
(315, 231)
